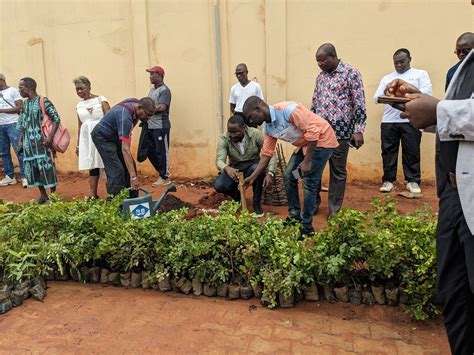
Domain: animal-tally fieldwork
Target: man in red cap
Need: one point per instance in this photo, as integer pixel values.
(159, 126)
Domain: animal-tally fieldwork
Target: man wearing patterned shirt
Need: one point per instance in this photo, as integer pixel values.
(339, 98)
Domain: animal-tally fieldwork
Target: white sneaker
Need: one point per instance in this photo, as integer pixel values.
(161, 182)
(413, 188)
(7, 180)
(24, 183)
(387, 186)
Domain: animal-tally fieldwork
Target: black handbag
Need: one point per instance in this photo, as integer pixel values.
(143, 144)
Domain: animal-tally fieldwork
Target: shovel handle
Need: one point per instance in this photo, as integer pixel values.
(243, 201)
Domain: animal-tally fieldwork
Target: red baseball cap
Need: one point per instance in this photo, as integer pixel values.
(157, 69)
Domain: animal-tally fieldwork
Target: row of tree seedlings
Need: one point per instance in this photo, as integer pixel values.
(376, 256)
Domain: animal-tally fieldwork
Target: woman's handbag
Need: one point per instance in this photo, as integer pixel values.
(61, 138)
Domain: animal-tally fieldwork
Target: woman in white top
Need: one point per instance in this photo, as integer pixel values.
(89, 112)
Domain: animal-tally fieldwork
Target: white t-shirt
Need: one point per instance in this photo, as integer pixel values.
(7, 100)
(416, 77)
(239, 93)
(241, 146)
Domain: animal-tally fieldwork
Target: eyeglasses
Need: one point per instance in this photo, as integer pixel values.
(464, 51)
(239, 72)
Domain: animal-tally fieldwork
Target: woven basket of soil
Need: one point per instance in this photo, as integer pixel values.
(165, 285)
(125, 279)
(4, 292)
(5, 305)
(329, 294)
(74, 273)
(403, 296)
(114, 278)
(222, 290)
(197, 286)
(246, 292)
(379, 293)
(37, 292)
(355, 295)
(311, 292)
(209, 291)
(233, 292)
(367, 296)
(146, 282)
(136, 279)
(257, 289)
(342, 293)
(391, 294)
(275, 195)
(85, 274)
(104, 276)
(94, 274)
(286, 301)
(184, 285)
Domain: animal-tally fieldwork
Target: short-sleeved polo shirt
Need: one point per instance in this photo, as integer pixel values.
(117, 124)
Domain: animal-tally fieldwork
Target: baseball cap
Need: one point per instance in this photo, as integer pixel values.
(156, 69)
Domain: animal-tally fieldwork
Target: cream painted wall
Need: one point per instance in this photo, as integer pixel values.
(199, 43)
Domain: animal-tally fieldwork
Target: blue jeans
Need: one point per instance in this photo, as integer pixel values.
(224, 184)
(10, 135)
(319, 159)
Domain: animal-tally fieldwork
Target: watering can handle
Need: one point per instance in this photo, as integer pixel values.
(141, 189)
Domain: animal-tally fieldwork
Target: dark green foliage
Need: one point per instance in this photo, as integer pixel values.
(376, 247)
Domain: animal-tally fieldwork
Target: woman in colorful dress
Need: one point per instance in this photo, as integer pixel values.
(38, 159)
(90, 111)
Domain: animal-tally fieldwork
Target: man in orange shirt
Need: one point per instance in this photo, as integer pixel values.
(315, 141)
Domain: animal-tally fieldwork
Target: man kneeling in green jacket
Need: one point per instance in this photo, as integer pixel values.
(241, 147)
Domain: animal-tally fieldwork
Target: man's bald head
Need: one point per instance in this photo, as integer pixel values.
(464, 44)
(327, 49)
(467, 36)
(326, 57)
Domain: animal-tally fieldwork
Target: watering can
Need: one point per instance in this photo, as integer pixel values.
(143, 206)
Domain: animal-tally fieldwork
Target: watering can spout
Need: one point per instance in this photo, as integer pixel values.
(156, 204)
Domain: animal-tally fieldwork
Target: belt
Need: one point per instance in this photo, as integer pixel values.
(452, 180)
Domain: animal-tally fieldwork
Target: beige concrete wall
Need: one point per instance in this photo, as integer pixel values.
(199, 43)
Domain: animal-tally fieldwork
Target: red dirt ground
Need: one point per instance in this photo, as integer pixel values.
(104, 319)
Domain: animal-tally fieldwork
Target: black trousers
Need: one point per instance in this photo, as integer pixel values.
(224, 184)
(118, 177)
(391, 135)
(455, 275)
(158, 150)
(337, 178)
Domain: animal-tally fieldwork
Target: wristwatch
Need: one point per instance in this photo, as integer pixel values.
(271, 173)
